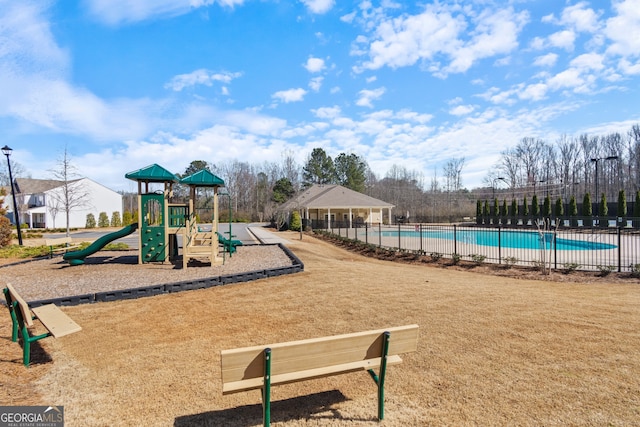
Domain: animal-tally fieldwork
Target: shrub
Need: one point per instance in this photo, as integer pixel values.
(127, 218)
(91, 221)
(435, 256)
(510, 261)
(455, 258)
(103, 220)
(570, 267)
(6, 232)
(635, 270)
(115, 219)
(296, 222)
(477, 258)
(605, 270)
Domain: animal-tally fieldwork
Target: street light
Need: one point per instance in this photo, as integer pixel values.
(597, 196)
(7, 152)
(493, 185)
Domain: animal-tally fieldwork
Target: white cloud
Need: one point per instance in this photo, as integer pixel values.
(115, 12)
(580, 17)
(461, 110)
(366, 97)
(441, 30)
(316, 83)
(290, 95)
(534, 92)
(563, 39)
(547, 60)
(628, 68)
(314, 65)
(624, 29)
(327, 112)
(588, 61)
(199, 77)
(319, 6)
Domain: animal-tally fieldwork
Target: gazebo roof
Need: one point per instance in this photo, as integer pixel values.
(152, 173)
(203, 178)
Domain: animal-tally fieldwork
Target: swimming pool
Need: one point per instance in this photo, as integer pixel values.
(505, 239)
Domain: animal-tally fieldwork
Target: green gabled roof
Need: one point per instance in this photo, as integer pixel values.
(152, 173)
(203, 178)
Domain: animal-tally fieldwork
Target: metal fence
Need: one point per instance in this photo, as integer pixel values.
(587, 248)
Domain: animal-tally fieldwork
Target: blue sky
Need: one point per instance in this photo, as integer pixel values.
(125, 84)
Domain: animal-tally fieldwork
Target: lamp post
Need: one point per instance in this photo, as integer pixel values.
(7, 152)
(596, 160)
(493, 185)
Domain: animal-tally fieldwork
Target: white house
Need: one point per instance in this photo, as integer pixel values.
(42, 202)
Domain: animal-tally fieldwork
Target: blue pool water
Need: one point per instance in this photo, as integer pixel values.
(508, 239)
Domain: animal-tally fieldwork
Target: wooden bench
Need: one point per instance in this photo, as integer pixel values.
(52, 318)
(260, 367)
(55, 245)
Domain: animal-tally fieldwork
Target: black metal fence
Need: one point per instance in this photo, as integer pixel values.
(544, 244)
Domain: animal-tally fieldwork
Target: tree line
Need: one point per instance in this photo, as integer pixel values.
(594, 164)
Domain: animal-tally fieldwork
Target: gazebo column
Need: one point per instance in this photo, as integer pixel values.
(370, 216)
(350, 218)
(329, 218)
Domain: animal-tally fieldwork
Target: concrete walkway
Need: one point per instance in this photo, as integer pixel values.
(264, 236)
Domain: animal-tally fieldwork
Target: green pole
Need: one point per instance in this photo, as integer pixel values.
(266, 391)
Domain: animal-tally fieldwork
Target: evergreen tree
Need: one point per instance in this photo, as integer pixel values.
(535, 206)
(319, 169)
(103, 219)
(503, 210)
(514, 207)
(636, 205)
(547, 206)
(91, 221)
(586, 205)
(559, 208)
(351, 171)
(296, 222)
(115, 219)
(573, 206)
(525, 206)
(622, 204)
(604, 208)
(127, 218)
(282, 190)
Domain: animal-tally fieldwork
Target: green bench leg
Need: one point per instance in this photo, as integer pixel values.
(266, 390)
(379, 380)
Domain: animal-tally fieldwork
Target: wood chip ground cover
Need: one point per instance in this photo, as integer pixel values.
(493, 350)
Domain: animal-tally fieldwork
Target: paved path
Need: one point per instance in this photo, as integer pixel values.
(265, 236)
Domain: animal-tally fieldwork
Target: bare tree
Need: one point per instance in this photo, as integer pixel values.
(72, 194)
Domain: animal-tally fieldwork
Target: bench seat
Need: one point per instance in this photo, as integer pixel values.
(260, 367)
(55, 321)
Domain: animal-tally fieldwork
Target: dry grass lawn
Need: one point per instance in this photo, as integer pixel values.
(492, 350)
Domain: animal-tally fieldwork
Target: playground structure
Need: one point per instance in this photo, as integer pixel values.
(161, 222)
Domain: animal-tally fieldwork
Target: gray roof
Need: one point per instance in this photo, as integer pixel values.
(36, 186)
(334, 196)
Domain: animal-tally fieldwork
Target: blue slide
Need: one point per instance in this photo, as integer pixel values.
(77, 257)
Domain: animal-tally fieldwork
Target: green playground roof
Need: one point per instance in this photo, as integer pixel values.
(203, 178)
(152, 173)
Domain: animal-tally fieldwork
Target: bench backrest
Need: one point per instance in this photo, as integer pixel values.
(22, 305)
(295, 356)
(58, 241)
